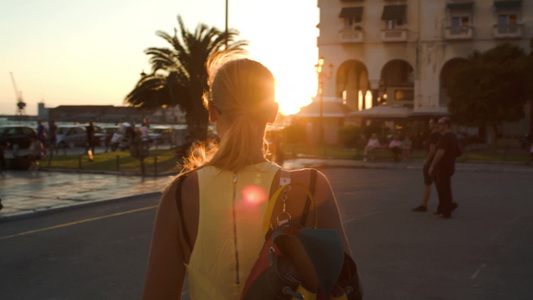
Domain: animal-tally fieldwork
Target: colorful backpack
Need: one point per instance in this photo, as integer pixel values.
(297, 262)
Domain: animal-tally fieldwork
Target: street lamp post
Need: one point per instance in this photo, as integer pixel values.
(319, 68)
(226, 26)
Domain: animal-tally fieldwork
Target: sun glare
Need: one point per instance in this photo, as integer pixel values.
(296, 80)
(295, 88)
(254, 195)
(291, 100)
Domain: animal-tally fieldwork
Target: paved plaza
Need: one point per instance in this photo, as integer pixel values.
(482, 253)
(24, 193)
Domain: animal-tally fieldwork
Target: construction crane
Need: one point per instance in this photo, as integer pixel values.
(20, 102)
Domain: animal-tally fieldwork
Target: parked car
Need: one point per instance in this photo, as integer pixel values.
(107, 133)
(19, 135)
(76, 135)
(100, 135)
(68, 136)
(161, 134)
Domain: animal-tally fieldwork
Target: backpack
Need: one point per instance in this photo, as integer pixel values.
(297, 262)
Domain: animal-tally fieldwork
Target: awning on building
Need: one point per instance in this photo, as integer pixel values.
(352, 12)
(330, 109)
(382, 112)
(507, 4)
(394, 12)
(460, 5)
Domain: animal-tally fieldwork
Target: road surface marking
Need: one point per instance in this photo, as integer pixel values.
(476, 273)
(360, 217)
(78, 222)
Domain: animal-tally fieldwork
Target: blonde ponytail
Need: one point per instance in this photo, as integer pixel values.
(242, 91)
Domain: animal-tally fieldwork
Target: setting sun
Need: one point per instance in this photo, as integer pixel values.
(296, 81)
(291, 100)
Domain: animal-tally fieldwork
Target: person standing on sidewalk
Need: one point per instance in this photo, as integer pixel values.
(443, 167)
(428, 180)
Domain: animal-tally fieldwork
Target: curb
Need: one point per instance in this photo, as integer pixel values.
(119, 173)
(68, 207)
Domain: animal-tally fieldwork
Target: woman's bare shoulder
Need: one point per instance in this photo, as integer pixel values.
(186, 181)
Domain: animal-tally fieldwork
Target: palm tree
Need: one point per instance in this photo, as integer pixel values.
(179, 74)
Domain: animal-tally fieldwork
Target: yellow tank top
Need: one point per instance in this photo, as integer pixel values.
(229, 235)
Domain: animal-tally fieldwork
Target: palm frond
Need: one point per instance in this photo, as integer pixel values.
(184, 79)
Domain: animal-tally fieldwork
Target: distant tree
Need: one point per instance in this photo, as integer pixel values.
(349, 135)
(179, 74)
(489, 88)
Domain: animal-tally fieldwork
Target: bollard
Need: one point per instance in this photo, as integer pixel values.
(155, 165)
(118, 163)
(79, 161)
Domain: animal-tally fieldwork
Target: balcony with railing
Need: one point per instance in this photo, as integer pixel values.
(394, 35)
(351, 36)
(459, 32)
(507, 31)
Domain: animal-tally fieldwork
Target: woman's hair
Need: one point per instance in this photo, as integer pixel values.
(243, 92)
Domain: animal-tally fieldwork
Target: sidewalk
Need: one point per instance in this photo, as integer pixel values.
(25, 193)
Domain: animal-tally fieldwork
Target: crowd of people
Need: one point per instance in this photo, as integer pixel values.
(400, 147)
(44, 143)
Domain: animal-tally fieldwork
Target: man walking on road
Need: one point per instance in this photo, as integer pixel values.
(442, 168)
(90, 140)
(428, 179)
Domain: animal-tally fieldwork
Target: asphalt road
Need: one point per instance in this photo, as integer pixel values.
(483, 252)
(100, 258)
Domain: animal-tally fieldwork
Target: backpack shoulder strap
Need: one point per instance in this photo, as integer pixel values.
(312, 189)
(283, 184)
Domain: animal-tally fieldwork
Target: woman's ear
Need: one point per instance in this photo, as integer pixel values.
(213, 113)
(273, 113)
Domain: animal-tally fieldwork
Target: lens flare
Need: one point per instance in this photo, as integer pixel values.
(253, 195)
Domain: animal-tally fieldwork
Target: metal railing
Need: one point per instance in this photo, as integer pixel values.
(507, 31)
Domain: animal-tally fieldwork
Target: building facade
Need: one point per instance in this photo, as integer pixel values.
(402, 52)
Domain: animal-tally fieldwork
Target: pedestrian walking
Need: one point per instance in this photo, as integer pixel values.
(41, 131)
(208, 224)
(91, 141)
(434, 138)
(35, 153)
(443, 168)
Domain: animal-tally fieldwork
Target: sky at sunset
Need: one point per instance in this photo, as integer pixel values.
(91, 52)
